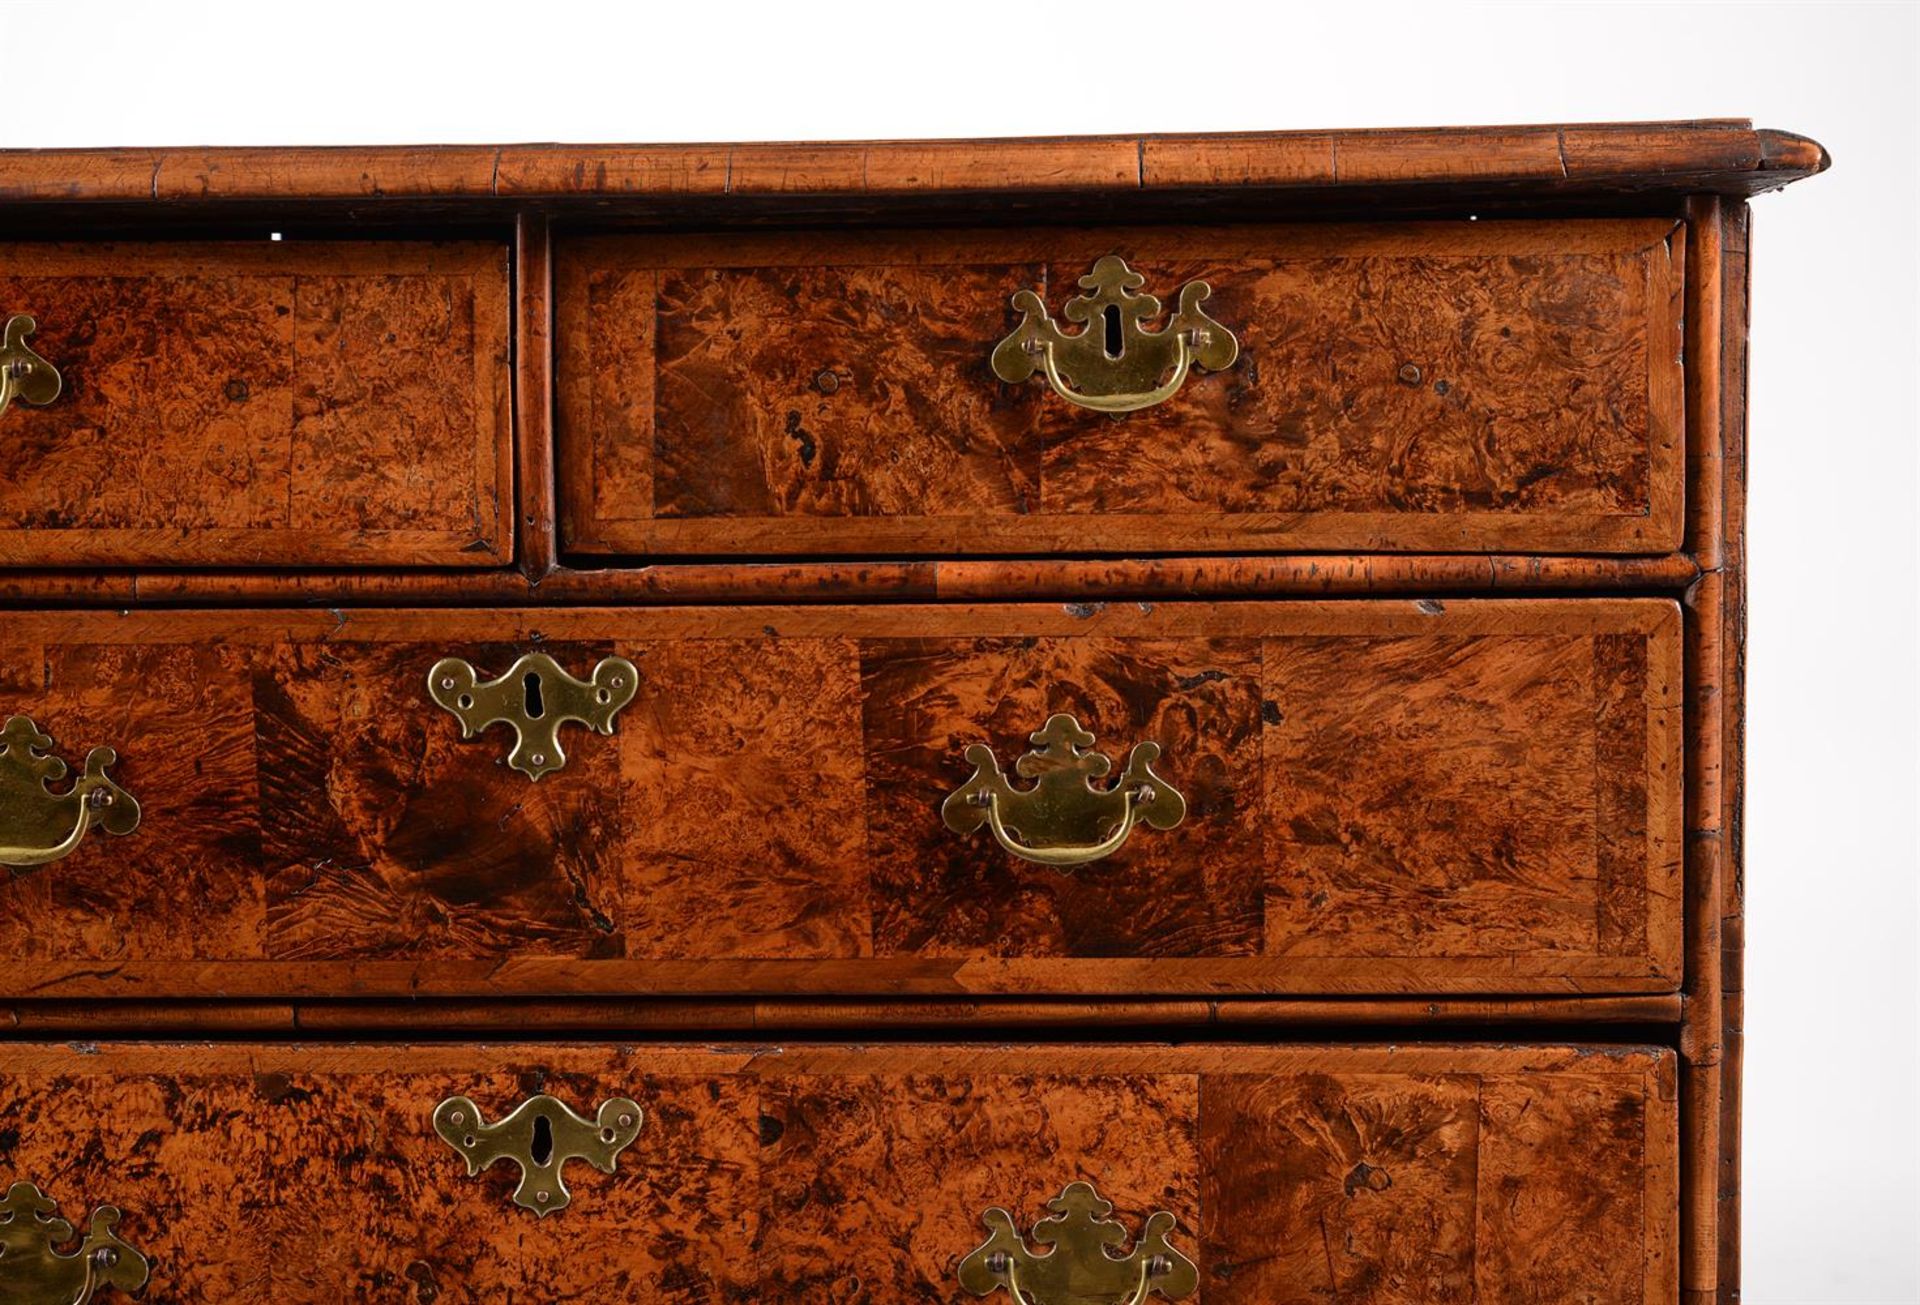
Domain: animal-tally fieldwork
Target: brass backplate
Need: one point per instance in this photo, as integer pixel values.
(540, 1136)
(1083, 1266)
(38, 825)
(534, 698)
(1114, 363)
(34, 1272)
(1063, 820)
(24, 374)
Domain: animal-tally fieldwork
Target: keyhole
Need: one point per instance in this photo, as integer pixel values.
(536, 707)
(1112, 319)
(542, 1149)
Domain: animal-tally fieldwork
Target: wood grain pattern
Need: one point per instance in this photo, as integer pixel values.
(285, 404)
(1367, 848)
(1701, 1045)
(970, 579)
(200, 851)
(359, 855)
(1734, 225)
(1564, 1137)
(1448, 1187)
(859, 1174)
(1712, 1033)
(533, 397)
(929, 1016)
(1726, 155)
(1468, 386)
(778, 781)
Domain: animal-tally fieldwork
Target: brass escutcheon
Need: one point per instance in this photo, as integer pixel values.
(1063, 820)
(24, 374)
(37, 825)
(33, 1272)
(1114, 363)
(535, 697)
(1083, 1267)
(540, 1136)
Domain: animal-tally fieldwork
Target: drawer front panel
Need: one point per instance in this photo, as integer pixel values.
(289, 404)
(1433, 386)
(1379, 797)
(861, 1174)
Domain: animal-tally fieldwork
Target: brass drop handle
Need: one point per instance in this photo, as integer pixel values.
(534, 698)
(1080, 1269)
(24, 374)
(38, 826)
(34, 1272)
(1113, 363)
(1063, 820)
(540, 1136)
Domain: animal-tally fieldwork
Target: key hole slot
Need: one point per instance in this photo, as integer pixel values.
(541, 1150)
(536, 705)
(1110, 319)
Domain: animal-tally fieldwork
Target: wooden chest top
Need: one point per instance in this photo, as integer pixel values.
(1206, 668)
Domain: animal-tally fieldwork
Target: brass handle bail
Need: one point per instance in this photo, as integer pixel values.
(1114, 364)
(38, 826)
(24, 374)
(1063, 820)
(1081, 1268)
(33, 1272)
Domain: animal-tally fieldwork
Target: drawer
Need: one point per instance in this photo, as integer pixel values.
(862, 1174)
(294, 403)
(1363, 797)
(1445, 386)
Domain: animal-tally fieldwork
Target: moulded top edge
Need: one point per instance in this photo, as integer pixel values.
(1727, 156)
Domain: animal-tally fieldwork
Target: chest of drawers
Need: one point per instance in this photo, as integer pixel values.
(1085, 721)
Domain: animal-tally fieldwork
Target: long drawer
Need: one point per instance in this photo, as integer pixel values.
(855, 1174)
(1288, 797)
(292, 403)
(1441, 386)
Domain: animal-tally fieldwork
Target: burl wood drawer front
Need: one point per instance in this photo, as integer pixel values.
(289, 404)
(828, 1173)
(1477, 796)
(1450, 386)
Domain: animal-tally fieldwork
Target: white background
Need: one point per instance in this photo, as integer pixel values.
(1831, 1095)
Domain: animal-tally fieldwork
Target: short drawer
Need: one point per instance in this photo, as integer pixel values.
(1287, 797)
(291, 403)
(859, 1174)
(1444, 386)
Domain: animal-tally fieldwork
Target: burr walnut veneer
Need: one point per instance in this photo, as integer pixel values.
(262, 404)
(1084, 720)
(1418, 385)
